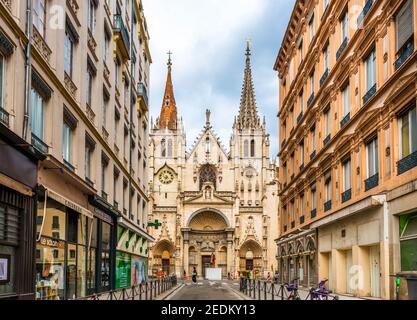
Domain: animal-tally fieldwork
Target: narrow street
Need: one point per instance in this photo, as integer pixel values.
(208, 290)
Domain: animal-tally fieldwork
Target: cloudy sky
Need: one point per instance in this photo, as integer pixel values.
(208, 41)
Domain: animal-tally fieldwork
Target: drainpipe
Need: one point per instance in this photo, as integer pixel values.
(131, 106)
(27, 68)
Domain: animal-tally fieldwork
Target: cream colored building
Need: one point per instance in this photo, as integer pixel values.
(213, 207)
(87, 114)
(348, 136)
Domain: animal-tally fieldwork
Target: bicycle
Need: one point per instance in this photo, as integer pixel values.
(320, 293)
(292, 289)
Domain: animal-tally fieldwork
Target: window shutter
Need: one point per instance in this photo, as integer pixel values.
(405, 26)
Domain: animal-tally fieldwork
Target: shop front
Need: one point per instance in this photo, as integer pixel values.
(73, 248)
(131, 256)
(18, 178)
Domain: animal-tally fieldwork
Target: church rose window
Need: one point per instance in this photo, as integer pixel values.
(207, 174)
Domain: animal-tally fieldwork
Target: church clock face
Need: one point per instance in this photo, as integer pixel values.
(166, 176)
(250, 172)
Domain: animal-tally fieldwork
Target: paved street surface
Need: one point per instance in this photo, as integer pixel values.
(207, 290)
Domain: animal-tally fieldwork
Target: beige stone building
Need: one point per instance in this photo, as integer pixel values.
(213, 208)
(348, 135)
(78, 97)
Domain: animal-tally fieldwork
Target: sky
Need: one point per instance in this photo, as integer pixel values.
(208, 41)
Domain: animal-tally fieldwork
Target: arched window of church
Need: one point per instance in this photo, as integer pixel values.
(252, 148)
(246, 148)
(169, 148)
(207, 174)
(163, 148)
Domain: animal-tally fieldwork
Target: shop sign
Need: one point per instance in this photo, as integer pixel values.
(48, 242)
(123, 270)
(102, 216)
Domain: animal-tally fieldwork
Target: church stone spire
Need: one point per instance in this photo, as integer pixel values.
(168, 116)
(248, 117)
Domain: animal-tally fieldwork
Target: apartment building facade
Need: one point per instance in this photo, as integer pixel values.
(348, 134)
(77, 99)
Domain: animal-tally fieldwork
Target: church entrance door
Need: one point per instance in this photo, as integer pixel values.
(165, 266)
(205, 263)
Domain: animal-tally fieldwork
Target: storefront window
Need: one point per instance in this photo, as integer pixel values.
(408, 242)
(105, 256)
(92, 256)
(51, 222)
(7, 269)
(71, 271)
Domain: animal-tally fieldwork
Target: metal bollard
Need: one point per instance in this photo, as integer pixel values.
(265, 291)
(273, 291)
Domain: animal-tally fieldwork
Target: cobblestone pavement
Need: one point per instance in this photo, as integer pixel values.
(208, 290)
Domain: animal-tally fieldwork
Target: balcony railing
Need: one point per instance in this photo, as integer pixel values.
(328, 206)
(313, 213)
(372, 182)
(324, 77)
(407, 163)
(4, 117)
(310, 100)
(347, 195)
(313, 155)
(143, 93)
(342, 48)
(300, 117)
(345, 120)
(327, 140)
(371, 92)
(302, 219)
(119, 27)
(39, 144)
(366, 8)
(406, 53)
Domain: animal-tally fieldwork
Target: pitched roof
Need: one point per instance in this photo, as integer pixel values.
(168, 116)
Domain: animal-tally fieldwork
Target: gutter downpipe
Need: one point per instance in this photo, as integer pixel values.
(27, 67)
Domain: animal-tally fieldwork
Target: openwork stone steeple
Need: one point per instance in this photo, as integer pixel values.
(168, 116)
(248, 117)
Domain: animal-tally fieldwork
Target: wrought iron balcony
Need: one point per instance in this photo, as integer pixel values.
(143, 93)
(328, 206)
(372, 182)
(313, 213)
(406, 53)
(310, 100)
(324, 77)
(302, 219)
(342, 48)
(4, 117)
(313, 155)
(345, 120)
(371, 92)
(347, 195)
(300, 117)
(407, 163)
(120, 29)
(366, 8)
(39, 144)
(327, 140)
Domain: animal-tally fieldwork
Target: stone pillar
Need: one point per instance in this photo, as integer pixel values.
(230, 255)
(185, 251)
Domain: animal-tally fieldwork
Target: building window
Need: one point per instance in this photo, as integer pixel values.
(292, 212)
(2, 77)
(37, 115)
(301, 49)
(408, 242)
(311, 26)
(89, 86)
(68, 54)
(163, 148)
(370, 68)
(312, 82)
(325, 5)
(170, 147)
(404, 27)
(327, 122)
(326, 58)
(301, 97)
(372, 157)
(67, 142)
(347, 175)
(302, 153)
(328, 186)
(246, 148)
(346, 100)
(292, 166)
(106, 45)
(408, 133)
(313, 139)
(89, 148)
(302, 205)
(344, 26)
(91, 15)
(39, 16)
(313, 199)
(292, 117)
(252, 148)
